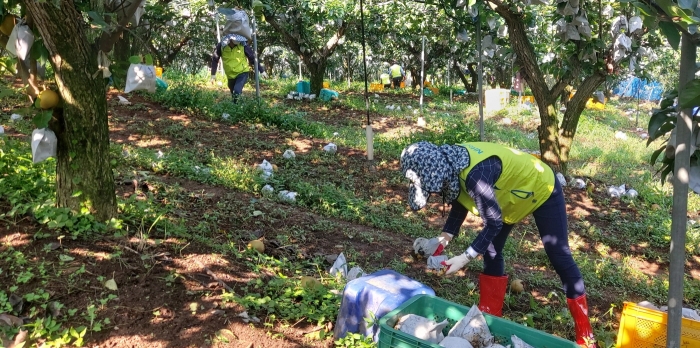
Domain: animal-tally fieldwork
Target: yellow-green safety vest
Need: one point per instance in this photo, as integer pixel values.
(395, 71)
(235, 61)
(524, 185)
(386, 80)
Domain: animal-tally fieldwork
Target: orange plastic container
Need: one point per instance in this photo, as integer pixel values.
(159, 71)
(642, 327)
(326, 84)
(403, 84)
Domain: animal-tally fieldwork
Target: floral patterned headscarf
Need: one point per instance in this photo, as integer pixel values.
(432, 169)
(233, 37)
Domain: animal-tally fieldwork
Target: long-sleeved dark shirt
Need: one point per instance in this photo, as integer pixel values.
(479, 184)
(246, 49)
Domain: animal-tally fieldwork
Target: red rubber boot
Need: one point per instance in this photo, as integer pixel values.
(579, 311)
(492, 291)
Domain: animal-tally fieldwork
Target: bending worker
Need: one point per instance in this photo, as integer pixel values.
(503, 186)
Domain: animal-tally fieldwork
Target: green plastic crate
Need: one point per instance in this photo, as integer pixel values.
(438, 309)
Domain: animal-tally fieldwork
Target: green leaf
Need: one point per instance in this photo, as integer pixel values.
(670, 8)
(135, 59)
(656, 123)
(664, 173)
(667, 127)
(39, 52)
(655, 155)
(65, 258)
(41, 119)
(149, 59)
(98, 20)
(668, 99)
(651, 22)
(672, 34)
(8, 64)
(690, 95)
(643, 8)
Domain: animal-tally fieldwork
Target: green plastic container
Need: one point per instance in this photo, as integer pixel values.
(438, 309)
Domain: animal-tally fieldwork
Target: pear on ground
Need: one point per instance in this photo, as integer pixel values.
(310, 283)
(257, 245)
(517, 286)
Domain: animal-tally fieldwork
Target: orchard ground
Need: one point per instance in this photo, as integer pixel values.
(176, 288)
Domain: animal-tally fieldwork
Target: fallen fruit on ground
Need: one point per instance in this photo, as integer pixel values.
(309, 282)
(257, 245)
(517, 286)
(48, 99)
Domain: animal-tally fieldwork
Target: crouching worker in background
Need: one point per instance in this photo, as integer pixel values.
(503, 186)
(238, 59)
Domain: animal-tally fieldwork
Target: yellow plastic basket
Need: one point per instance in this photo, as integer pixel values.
(595, 105)
(376, 87)
(527, 98)
(642, 327)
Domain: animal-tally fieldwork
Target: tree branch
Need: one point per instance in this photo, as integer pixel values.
(178, 47)
(107, 40)
(333, 41)
(291, 40)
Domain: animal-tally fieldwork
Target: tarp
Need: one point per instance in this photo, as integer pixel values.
(635, 87)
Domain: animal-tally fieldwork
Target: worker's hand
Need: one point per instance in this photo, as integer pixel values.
(264, 75)
(456, 263)
(433, 246)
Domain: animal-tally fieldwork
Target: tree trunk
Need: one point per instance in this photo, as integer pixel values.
(415, 78)
(317, 70)
(544, 97)
(269, 62)
(469, 87)
(83, 173)
(122, 52)
(122, 48)
(573, 112)
(503, 75)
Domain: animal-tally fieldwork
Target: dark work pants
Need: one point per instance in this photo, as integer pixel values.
(397, 81)
(236, 85)
(550, 219)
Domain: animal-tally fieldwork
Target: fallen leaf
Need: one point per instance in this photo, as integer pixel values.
(257, 213)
